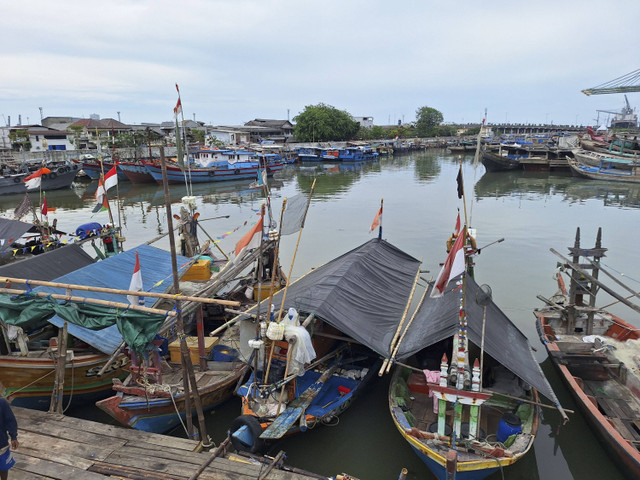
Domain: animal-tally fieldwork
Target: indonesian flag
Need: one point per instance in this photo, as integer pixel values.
(453, 265)
(111, 178)
(251, 238)
(35, 179)
(43, 207)
(178, 107)
(377, 220)
(136, 284)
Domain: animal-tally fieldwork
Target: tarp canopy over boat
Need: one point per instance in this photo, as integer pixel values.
(91, 322)
(48, 265)
(362, 293)
(437, 319)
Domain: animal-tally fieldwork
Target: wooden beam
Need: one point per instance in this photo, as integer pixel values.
(600, 284)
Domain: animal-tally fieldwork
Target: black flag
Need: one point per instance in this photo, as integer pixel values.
(24, 207)
(459, 180)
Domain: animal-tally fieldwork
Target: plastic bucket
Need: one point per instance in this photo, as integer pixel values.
(510, 424)
(222, 353)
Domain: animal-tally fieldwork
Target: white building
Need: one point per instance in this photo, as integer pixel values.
(366, 122)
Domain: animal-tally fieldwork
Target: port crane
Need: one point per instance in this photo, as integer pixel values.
(625, 84)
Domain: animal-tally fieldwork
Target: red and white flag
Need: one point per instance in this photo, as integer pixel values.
(377, 220)
(251, 239)
(453, 265)
(111, 178)
(178, 107)
(100, 192)
(43, 207)
(458, 224)
(35, 179)
(136, 284)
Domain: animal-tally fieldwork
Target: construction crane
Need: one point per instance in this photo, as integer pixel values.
(625, 84)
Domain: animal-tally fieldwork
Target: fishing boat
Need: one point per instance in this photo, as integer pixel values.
(309, 154)
(94, 166)
(56, 177)
(136, 172)
(215, 172)
(596, 352)
(610, 169)
(502, 159)
(357, 300)
(595, 159)
(477, 413)
(30, 338)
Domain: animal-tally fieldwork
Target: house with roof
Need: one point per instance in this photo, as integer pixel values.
(37, 138)
(230, 135)
(266, 129)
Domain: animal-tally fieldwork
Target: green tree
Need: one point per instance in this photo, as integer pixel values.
(77, 135)
(321, 123)
(427, 121)
(20, 138)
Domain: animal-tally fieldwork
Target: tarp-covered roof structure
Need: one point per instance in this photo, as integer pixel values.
(437, 319)
(47, 266)
(362, 293)
(114, 272)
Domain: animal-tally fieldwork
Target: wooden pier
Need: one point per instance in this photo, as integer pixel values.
(54, 446)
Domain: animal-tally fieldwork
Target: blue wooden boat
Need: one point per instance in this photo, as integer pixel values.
(609, 169)
(92, 167)
(351, 154)
(309, 154)
(217, 171)
(348, 335)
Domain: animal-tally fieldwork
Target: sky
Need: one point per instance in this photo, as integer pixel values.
(236, 60)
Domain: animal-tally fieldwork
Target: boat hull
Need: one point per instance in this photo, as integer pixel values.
(29, 381)
(94, 169)
(498, 163)
(158, 414)
(607, 174)
(207, 175)
(625, 454)
(59, 178)
(136, 172)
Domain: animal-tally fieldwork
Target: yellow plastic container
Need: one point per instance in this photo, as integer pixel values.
(201, 270)
(192, 343)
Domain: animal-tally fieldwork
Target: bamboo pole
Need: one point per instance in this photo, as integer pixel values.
(220, 448)
(387, 361)
(87, 288)
(95, 301)
(404, 332)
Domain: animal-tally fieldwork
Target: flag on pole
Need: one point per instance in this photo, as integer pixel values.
(458, 224)
(179, 152)
(111, 178)
(136, 284)
(34, 180)
(24, 207)
(43, 207)
(294, 214)
(178, 107)
(102, 205)
(453, 265)
(377, 220)
(251, 239)
(460, 183)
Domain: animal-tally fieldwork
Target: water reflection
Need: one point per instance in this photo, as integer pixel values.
(333, 178)
(499, 184)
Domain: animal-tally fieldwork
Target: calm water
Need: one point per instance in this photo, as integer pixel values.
(533, 212)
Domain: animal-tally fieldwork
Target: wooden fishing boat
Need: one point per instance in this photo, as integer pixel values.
(608, 170)
(94, 167)
(27, 359)
(596, 353)
(349, 330)
(501, 159)
(60, 176)
(486, 420)
(596, 159)
(136, 172)
(219, 172)
(160, 406)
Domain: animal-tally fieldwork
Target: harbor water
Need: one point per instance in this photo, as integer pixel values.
(533, 212)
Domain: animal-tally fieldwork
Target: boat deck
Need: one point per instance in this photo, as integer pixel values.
(53, 446)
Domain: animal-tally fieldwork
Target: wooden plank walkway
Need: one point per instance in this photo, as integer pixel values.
(56, 447)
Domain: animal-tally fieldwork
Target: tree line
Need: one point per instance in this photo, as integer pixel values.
(322, 123)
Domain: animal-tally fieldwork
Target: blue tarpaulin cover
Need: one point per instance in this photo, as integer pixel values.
(115, 272)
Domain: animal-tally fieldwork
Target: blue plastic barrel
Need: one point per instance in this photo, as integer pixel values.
(510, 424)
(223, 353)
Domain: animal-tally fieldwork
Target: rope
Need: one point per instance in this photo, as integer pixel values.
(29, 384)
(621, 273)
(153, 388)
(73, 368)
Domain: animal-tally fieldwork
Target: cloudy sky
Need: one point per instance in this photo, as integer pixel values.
(236, 60)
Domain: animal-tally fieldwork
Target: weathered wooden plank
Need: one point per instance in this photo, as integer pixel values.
(35, 442)
(22, 475)
(52, 470)
(58, 430)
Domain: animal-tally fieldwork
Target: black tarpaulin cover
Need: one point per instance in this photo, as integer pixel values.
(437, 319)
(362, 293)
(12, 230)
